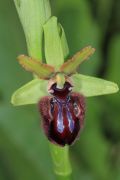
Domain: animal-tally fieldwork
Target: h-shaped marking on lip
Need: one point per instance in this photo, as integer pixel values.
(60, 125)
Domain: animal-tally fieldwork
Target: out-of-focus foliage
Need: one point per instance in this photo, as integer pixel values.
(24, 152)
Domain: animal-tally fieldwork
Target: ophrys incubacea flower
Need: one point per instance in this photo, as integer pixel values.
(59, 90)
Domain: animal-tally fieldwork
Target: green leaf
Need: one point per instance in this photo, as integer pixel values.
(53, 49)
(30, 93)
(33, 14)
(64, 43)
(91, 86)
(43, 71)
(71, 65)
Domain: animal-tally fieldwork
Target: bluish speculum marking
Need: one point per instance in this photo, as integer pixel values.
(60, 118)
(60, 126)
(70, 120)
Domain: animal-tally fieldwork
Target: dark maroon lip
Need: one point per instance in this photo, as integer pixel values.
(62, 120)
(62, 114)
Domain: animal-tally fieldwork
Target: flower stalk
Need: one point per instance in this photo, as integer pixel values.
(60, 156)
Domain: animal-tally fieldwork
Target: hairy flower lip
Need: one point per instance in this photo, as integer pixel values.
(68, 112)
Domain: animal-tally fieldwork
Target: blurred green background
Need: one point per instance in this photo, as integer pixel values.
(24, 153)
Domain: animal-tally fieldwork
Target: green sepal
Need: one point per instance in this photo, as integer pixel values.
(53, 48)
(92, 86)
(71, 65)
(43, 71)
(30, 93)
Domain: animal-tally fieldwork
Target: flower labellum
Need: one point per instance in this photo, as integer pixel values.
(62, 114)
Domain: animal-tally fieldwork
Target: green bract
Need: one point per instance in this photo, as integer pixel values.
(53, 43)
(55, 50)
(32, 16)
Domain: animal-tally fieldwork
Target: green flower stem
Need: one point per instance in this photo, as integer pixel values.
(64, 177)
(33, 14)
(60, 156)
